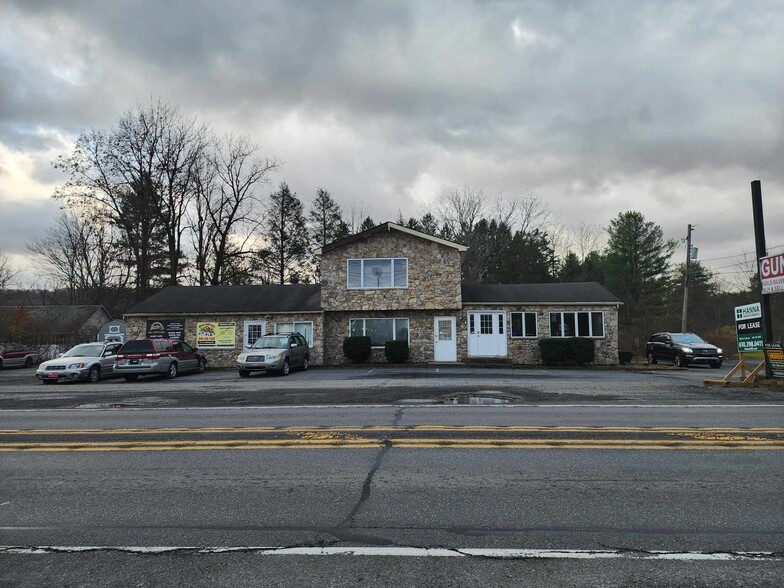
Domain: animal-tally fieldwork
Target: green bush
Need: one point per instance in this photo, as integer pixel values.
(625, 357)
(357, 349)
(396, 351)
(571, 351)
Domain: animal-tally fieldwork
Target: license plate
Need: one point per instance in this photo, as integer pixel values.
(134, 361)
(51, 375)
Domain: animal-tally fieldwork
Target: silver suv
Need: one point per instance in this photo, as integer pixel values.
(280, 353)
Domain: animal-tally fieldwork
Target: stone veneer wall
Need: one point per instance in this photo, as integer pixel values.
(137, 328)
(433, 275)
(526, 351)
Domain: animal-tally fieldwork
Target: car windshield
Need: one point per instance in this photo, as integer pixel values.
(85, 350)
(686, 338)
(271, 343)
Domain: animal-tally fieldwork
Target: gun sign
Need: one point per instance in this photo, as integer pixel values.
(771, 269)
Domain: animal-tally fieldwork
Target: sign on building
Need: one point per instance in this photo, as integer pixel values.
(771, 269)
(215, 335)
(166, 329)
(748, 326)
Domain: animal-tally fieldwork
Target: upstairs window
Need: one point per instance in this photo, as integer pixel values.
(375, 274)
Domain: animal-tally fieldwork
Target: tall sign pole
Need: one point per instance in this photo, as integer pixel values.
(686, 283)
(762, 251)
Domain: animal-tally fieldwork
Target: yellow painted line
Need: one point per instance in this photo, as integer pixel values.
(467, 428)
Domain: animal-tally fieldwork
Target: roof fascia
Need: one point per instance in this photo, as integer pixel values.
(421, 235)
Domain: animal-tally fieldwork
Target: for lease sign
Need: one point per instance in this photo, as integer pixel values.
(748, 326)
(771, 270)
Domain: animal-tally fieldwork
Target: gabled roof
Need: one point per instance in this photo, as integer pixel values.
(55, 318)
(565, 293)
(383, 228)
(231, 299)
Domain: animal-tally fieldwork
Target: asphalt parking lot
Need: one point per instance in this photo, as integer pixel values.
(19, 389)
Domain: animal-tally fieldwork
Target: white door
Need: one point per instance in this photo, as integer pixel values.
(445, 342)
(251, 331)
(487, 334)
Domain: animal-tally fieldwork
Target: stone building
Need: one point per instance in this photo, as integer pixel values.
(388, 283)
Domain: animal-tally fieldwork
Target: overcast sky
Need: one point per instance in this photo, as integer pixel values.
(669, 108)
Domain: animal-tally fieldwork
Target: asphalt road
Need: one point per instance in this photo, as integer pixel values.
(596, 493)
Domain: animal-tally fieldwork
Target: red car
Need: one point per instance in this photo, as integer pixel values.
(16, 355)
(166, 357)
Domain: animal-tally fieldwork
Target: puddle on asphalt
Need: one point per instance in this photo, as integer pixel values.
(473, 399)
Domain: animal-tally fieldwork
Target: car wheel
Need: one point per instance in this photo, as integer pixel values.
(202, 366)
(172, 371)
(1, 364)
(29, 362)
(305, 364)
(244, 373)
(651, 358)
(131, 378)
(678, 361)
(94, 375)
(286, 368)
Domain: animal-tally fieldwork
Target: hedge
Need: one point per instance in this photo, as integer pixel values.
(571, 351)
(396, 351)
(357, 349)
(625, 357)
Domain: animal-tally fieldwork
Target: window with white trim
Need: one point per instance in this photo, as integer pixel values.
(380, 330)
(523, 325)
(374, 274)
(304, 328)
(577, 324)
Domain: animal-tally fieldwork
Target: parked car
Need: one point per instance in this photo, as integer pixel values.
(682, 349)
(86, 361)
(280, 353)
(166, 357)
(16, 355)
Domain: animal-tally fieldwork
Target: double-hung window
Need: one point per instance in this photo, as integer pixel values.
(365, 274)
(577, 324)
(523, 324)
(380, 330)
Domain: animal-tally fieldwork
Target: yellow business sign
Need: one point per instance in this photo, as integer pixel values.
(215, 335)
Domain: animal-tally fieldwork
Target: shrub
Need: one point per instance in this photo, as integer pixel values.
(572, 351)
(357, 349)
(396, 351)
(625, 357)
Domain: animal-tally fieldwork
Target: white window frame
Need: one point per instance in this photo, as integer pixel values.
(524, 336)
(575, 313)
(383, 318)
(362, 261)
(294, 326)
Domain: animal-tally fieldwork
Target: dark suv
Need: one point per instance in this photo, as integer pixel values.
(682, 349)
(166, 357)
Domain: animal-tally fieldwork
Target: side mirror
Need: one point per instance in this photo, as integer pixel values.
(293, 345)
(249, 347)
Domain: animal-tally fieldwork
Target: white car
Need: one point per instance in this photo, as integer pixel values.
(86, 361)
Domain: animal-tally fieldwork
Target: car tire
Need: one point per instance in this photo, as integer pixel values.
(28, 362)
(201, 367)
(716, 365)
(286, 369)
(171, 373)
(48, 382)
(678, 361)
(132, 378)
(244, 374)
(1, 364)
(305, 364)
(94, 375)
(651, 358)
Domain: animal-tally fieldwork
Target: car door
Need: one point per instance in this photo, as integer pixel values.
(107, 358)
(16, 356)
(295, 352)
(189, 355)
(667, 353)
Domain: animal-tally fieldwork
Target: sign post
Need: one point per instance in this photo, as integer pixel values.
(749, 333)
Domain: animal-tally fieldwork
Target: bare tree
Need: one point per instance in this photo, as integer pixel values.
(587, 238)
(7, 272)
(460, 209)
(228, 208)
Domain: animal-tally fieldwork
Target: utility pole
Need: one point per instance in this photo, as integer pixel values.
(686, 281)
(762, 251)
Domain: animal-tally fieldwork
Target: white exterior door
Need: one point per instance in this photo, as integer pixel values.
(487, 334)
(444, 339)
(251, 331)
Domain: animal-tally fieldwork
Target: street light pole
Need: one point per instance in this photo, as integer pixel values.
(686, 281)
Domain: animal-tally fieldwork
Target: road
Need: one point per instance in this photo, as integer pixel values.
(513, 494)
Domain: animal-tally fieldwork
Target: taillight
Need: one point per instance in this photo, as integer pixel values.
(153, 355)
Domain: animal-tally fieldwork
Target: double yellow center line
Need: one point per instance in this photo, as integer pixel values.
(413, 437)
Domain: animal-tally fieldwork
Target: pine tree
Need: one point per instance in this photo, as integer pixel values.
(286, 256)
(325, 220)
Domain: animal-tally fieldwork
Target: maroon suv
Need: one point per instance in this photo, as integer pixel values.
(16, 355)
(166, 357)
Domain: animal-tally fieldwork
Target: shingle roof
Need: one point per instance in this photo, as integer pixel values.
(231, 299)
(573, 292)
(56, 319)
(383, 228)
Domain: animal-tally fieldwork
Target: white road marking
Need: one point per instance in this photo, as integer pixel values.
(415, 552)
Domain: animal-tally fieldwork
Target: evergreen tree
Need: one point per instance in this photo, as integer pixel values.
(571, 269)
(368, 223)
(325, 220)
(528, 259)
(286, 256)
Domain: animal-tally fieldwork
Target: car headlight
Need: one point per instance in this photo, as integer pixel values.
(718, 350)
(687, 349)
(273, 355)
(242, 357)
(76, 366)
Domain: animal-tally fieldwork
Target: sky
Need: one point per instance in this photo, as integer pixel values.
(668, 108)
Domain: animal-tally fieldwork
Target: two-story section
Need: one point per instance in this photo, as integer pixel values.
(391, 283)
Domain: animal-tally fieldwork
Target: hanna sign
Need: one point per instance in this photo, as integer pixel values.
(748, 326)
(771, 269)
